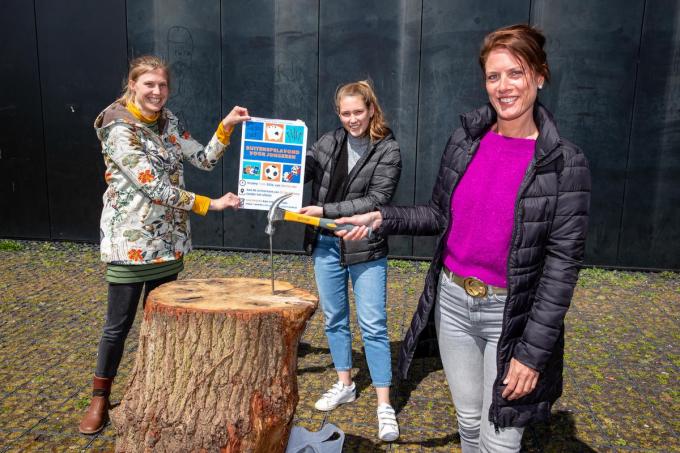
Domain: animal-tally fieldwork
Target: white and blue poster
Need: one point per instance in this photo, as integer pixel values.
(272, 163)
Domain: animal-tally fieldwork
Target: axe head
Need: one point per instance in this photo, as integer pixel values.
(275, 214)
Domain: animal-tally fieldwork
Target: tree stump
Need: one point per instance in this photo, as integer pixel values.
(215, 369)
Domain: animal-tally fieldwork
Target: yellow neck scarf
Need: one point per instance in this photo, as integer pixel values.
(132, 107)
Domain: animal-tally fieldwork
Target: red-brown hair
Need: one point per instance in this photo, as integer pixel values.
(524, 42)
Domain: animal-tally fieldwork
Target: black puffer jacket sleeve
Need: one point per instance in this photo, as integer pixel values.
(563, 258)
(381, 186)
(424, 220)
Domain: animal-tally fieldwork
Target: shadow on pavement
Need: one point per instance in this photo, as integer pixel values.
(558, 435)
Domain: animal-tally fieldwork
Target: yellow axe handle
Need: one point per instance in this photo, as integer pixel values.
(315, 221)
(301, 218)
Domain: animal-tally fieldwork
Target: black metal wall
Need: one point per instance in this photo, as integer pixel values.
(23, 187)
(615, 92)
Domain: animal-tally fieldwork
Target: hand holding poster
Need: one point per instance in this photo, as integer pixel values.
(272, 163)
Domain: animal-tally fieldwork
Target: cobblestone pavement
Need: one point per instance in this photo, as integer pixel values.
(621, 378)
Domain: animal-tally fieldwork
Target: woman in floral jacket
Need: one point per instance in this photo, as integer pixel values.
(145, 220)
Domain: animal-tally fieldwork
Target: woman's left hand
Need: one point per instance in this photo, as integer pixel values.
(520, 380)
(314, 211)
(236, 116)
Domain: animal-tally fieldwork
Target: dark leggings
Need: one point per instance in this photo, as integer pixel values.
(120, 314)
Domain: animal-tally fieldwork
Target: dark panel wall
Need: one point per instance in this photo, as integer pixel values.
(187, 35)
(451, 81)
(269, 64)
(378, 40)
(615, 92)
(650, 233)
(23, 188)
(592, 50)
(82, 54)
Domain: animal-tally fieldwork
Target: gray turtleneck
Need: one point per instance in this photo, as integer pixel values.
(356, 147)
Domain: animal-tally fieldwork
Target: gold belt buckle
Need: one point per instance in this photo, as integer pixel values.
(474, 287)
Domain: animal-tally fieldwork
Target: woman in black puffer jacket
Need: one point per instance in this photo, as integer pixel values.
(510, 210)
(354, 169)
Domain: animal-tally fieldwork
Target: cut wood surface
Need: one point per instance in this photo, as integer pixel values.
(215, 369)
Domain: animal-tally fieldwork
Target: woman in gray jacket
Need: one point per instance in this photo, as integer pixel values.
(354, 169)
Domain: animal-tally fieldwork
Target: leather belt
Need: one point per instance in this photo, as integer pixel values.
(473, 286)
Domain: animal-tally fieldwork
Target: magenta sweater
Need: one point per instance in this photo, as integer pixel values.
(483, 209)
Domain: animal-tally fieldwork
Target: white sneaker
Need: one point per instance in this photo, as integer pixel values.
(388, 428)
(335, 396)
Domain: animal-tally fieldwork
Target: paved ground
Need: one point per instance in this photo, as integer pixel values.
(622, 389)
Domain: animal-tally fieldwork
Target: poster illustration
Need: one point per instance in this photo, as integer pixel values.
(272, 163)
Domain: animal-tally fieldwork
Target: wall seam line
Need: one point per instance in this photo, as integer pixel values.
(222, 213)
(420, 72)
(318, 65)
(630, 134)
(42, 123)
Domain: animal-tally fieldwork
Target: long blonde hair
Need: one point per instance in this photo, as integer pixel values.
(364, 89)
(138, 66)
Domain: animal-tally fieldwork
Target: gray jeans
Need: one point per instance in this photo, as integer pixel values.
(468, 329)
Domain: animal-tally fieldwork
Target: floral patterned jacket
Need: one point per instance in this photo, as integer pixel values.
(145, 217)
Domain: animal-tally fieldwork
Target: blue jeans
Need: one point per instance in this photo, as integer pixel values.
(369, 284)
(468, 329)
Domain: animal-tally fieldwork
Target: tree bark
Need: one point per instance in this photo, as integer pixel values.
(215, 369)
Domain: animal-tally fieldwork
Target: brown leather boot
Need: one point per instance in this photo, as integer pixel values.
(97, 414)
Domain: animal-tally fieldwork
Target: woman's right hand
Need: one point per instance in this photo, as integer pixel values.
(362, 222)
(228, 200)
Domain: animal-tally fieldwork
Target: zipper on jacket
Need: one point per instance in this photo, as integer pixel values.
(440, 241)
(528, 176)
(372, 147)
(470, 154)
(345, 188)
